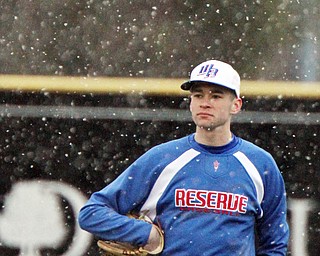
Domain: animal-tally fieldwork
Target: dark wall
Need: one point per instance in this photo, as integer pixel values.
(90, 153)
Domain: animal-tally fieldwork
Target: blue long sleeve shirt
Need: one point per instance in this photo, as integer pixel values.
(208, 200)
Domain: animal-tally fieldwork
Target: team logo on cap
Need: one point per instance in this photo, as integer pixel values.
(208, 70)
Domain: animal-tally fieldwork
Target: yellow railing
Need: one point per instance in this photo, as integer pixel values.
(151, 86)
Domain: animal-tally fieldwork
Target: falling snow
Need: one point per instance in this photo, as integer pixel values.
(265, 40)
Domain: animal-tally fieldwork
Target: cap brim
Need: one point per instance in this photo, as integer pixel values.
(186, 86)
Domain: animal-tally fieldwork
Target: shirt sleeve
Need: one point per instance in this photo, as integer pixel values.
(104, 215)
(272, 228)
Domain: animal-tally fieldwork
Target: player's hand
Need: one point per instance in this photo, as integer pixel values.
(154, 245)
(155, 241)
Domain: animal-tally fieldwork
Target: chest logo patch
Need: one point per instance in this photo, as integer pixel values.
(216, 165)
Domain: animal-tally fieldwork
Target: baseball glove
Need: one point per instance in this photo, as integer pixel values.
(113, 248)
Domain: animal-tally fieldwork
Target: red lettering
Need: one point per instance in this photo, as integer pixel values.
(180, 197)
(201, 197)
(222, 200)
(218, 202)
(243, 204)
(233, 201)
(211, 199)
(190, 196)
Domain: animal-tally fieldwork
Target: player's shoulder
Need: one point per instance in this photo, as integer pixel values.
(251, 149)
(173, 148)
(261, 158)
(179, 144)
(166, 152)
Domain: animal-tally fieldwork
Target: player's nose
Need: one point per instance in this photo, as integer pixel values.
(206, 102)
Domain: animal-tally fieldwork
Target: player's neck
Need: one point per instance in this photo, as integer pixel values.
(214, 138)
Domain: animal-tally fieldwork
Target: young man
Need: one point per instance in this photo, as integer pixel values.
(212, 193)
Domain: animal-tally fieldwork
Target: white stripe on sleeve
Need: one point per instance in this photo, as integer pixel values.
(253, 173)
(163, 181)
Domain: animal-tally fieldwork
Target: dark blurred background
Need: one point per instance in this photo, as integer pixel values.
(263, 39)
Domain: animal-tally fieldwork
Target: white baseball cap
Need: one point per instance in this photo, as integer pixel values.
(214, 72)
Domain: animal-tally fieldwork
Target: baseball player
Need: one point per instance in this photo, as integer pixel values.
(211, 192)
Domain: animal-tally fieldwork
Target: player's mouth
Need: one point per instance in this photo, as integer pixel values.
(204, 114)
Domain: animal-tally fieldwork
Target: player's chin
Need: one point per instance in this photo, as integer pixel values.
(206, 128)
(205, 125)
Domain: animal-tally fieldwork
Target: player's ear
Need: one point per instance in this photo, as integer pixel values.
(236, 105)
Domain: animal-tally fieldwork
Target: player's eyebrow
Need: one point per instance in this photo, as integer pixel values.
(212, 90)
(216, 90)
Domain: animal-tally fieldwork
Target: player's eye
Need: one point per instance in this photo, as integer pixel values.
(197, 95)
(216, 96)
